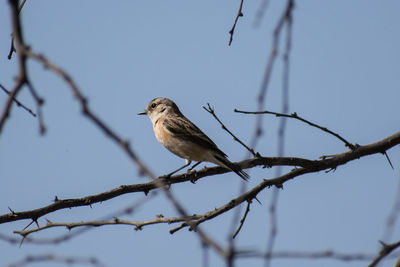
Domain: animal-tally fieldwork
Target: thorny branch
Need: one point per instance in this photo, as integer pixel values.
(116, 221)
(306, 166)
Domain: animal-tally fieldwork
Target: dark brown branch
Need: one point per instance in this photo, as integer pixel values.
(307, 166)
(12, 46)
(116, 221)
(330, 163)
(19, 104)
(295, 116)
(212, 112)
(386, 250)
(243, 219)
(239, 14)
(22, 77)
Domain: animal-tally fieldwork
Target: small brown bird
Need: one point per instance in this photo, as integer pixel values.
(180, 136)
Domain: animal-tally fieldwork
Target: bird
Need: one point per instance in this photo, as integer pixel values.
(183, 138)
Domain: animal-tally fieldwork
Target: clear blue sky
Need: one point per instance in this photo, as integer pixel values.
(344, 74)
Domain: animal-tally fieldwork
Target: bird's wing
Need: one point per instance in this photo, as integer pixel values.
(185, 129)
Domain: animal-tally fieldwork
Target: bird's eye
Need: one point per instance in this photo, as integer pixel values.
(153, 105)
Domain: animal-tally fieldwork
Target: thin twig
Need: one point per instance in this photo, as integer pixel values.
(243, 219)
(260, 13)
(328, 254)
(19, 104)
(51, 258)
(39, 103)
(239, 14)
(295, 116)
(116, 221)
(212, 112)
(273, 231)
(268, 70)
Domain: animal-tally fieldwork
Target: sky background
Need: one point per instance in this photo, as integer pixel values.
(344, 74)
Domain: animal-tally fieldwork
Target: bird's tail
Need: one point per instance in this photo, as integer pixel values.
(224, 162)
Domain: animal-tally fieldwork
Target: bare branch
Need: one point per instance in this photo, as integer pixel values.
(295, 116)
(239, 14)
(12, 47)
(320, 165)
(328, 254)
(22, 77)
(19, 104)
(39, 103)
(385, 250)
(268, 70)
(243, 219)
(116, 221)
(212, 112)
(307, 166)
(260, 13)
(273, 226)
(47, 258)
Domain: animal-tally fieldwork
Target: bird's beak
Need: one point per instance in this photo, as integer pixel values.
(142, 113)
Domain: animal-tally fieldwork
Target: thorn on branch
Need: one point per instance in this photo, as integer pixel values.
(388, 159)
(12, 211)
